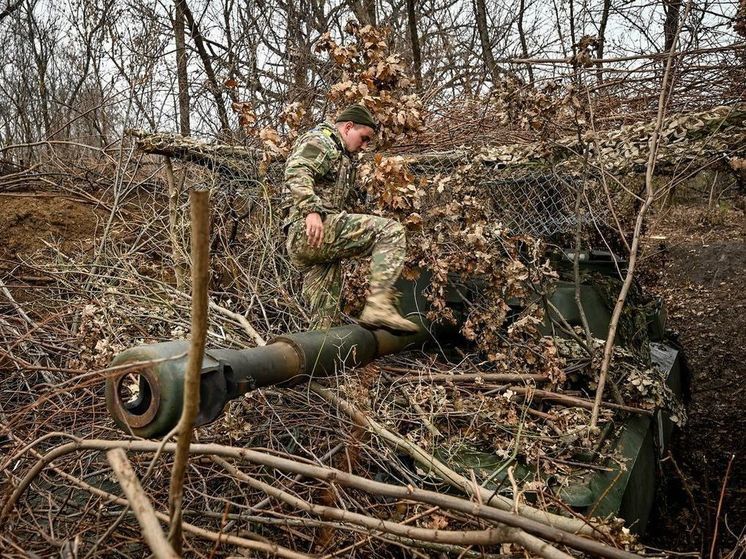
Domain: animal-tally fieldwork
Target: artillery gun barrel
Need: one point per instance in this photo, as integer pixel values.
(146, 398)
(145, 395)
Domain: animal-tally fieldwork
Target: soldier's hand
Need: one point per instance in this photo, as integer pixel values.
(314, 229)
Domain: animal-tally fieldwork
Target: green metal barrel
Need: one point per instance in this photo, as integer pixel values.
(145, 396)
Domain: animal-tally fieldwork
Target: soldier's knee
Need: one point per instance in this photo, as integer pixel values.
(394, 231)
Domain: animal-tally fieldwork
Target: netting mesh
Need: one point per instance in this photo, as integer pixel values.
(538, 189)
(536, 200)
(532, 199)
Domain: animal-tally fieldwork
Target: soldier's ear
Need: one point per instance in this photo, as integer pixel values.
(345, 130)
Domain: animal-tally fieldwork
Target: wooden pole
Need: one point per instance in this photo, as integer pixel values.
(200, 217)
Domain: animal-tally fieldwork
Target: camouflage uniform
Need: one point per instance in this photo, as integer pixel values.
(319, 177)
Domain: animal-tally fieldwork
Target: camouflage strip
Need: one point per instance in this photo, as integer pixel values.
(346, 236)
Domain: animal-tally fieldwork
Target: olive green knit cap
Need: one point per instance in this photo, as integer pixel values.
(359, 115)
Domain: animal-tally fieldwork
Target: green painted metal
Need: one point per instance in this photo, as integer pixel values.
(562, 297)
(628, 489)
(158, 370)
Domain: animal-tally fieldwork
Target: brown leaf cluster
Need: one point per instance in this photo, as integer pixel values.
(372, 75)
(246, 114)
(455, 235)
(584, 51)
(389, 182)
(275, 143)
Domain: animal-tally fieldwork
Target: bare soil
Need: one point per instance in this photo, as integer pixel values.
(28, 221)
(696, 261)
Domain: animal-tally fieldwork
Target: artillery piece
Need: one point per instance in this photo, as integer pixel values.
(155, 405)
(153, 408)
(625, 486)
(537, 208)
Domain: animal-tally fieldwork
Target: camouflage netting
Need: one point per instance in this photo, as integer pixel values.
(489, 212)
(531, 187)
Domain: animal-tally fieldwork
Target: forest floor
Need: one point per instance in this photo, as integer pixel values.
(694, 258)
(696, 261)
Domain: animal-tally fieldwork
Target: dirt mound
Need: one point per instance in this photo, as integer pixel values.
(27, 221)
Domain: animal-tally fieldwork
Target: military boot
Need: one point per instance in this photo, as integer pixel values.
(379, 312)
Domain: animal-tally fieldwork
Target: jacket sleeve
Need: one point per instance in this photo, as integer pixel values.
(310, 160)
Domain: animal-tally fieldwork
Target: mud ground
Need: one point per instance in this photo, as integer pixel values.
(34, 221)
(696, 260)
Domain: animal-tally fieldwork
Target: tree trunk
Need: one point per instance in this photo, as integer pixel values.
(41, 58)
(228, 7)
(294, 51)
(10, 8)
(176, 181)
(211, 78)
(573, 40)
(672, 9)
(181, 69)
(480, 12)
(602, 39)
(365, 11)
(415, 41)
(522, 37)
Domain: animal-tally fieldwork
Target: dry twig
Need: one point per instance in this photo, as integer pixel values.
(200, 278)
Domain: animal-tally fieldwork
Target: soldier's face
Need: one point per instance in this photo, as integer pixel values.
(357, 136)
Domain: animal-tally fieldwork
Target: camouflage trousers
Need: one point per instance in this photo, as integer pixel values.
(345, 236)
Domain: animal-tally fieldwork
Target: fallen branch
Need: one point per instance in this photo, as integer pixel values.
(451, 477)
(575, 401)
(490, 536)
(245, 324)
(720, 507)
(239, 318)
(331, 475)
(270, 549)
(140, 505)
(468, 377)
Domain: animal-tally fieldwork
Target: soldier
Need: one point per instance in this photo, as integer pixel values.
(319, 177)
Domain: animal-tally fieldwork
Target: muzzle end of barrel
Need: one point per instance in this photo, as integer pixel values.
(136, 397)
(143, 395)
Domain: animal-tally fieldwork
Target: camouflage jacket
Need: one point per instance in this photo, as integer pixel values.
(319, 175)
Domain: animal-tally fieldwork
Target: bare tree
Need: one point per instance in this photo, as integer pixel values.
(522, 37)
(10, 8)
(213, 85)
(364, 11)
(181, 68)
(480, 12)
(671, 9)
(295, 51)
(601, 39)
(414, 40)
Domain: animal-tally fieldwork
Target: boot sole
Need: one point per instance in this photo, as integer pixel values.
(392, 329)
